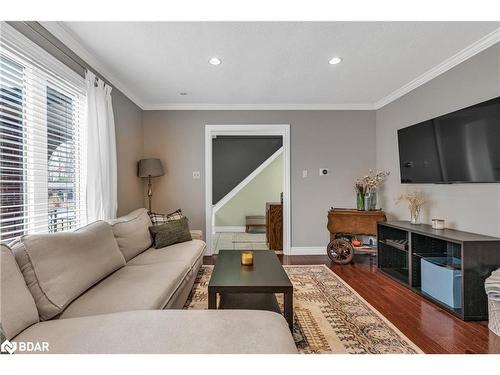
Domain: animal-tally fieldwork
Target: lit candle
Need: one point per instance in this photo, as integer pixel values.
(247, 258)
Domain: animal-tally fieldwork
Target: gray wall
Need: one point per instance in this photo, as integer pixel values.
(470, 207)
(340, 140)
(129, 150)
(235, 157)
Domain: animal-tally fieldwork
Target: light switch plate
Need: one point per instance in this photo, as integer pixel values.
(196, 175)
(323, 171)
(304, 173)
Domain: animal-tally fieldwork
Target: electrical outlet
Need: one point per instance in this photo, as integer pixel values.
(196, 175)
(323, 171)
(304, 173)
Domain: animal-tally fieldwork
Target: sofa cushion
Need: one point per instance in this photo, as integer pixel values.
(17, 307)
(146, 287)
(188, 252)
(58, 267)
(170, 233)
(132, 233)
(167, 331)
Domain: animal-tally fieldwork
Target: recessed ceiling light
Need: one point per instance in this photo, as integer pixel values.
(335, 60)
(183, 93)
(215, 61)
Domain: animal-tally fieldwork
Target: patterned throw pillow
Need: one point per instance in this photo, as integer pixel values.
(172, 232)
(159, 219)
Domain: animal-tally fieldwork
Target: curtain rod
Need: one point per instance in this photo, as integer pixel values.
(37, 33)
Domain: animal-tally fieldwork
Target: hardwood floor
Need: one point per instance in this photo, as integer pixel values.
(431, 328)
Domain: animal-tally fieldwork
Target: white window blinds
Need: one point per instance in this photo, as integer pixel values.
(42, 140)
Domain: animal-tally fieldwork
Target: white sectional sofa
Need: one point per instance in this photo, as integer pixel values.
(104, 289)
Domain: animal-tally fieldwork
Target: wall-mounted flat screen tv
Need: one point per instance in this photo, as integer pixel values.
(462, 146)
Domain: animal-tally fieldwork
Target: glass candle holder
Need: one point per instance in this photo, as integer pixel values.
(247, 258)
(438, 224)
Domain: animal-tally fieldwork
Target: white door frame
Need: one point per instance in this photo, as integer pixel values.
(248, 129)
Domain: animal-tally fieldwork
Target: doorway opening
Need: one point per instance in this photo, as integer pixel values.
(247, 187)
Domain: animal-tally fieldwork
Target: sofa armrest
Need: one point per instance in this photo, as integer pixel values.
(196, 234)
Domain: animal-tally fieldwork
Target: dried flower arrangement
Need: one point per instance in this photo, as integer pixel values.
(371, 182)
(366, 187)
(416, 200)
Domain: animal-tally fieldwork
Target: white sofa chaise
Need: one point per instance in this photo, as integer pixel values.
(104, 289)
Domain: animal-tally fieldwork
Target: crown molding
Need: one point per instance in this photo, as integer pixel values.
(465, 54)
(258, 107)
(65, 36)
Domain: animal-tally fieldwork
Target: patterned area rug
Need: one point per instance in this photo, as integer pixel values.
(329, 316)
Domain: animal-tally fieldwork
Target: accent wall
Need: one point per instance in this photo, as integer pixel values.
(468, 207)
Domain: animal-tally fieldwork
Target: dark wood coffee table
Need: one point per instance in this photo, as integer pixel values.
(266, 276)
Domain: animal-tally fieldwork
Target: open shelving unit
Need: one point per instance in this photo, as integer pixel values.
(402, 245)
(393, 253)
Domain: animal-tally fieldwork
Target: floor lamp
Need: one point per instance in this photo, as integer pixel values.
(150, 168)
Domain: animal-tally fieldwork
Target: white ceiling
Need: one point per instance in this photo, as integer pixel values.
(272, 65)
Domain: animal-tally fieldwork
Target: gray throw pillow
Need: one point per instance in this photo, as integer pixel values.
(170, 233)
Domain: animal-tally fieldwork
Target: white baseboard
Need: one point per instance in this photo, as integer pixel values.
(311, 250)
(229, 229)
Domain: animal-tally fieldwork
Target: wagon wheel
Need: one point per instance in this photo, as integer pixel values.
(340, 251)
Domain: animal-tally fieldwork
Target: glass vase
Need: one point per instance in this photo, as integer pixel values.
(415, 217)
(370, 201)
(360, 201)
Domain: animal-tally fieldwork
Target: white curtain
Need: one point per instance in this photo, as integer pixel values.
(102, 196)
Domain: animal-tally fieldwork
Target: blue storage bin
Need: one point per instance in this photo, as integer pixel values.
(442, 280)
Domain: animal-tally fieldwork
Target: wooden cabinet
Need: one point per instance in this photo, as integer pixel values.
(352, 221)
(274, 226)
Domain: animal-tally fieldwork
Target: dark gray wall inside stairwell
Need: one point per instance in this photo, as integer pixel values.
(235, 157)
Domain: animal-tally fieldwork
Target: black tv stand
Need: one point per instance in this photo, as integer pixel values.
(401, 245)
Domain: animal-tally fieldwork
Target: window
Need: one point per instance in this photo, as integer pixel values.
(42, 140)
(11, 151)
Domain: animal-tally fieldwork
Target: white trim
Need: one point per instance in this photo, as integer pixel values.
(310, 250)
(475, 48)
(230, 229)
(246, 181)
(257, 107)
(247, 129)
(61, 32)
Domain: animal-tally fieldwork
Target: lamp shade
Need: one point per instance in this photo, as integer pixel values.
(150, 167)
